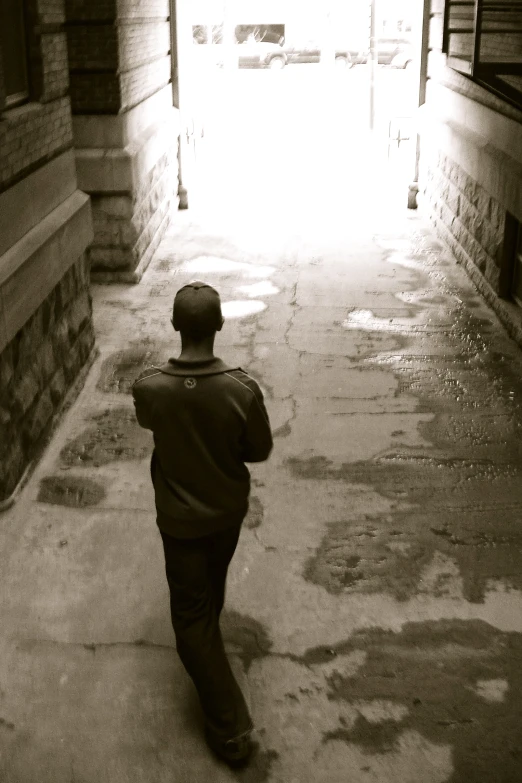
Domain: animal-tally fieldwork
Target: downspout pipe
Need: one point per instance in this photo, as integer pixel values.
(413, 189)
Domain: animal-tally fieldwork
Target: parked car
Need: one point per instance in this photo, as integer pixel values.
(396, 52)
(246, 55)
(261, 54)
(311, 52)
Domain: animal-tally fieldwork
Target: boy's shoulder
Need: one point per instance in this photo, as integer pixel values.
(246, 380)
(147, 374)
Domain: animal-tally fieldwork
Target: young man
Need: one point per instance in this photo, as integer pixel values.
(208, 419)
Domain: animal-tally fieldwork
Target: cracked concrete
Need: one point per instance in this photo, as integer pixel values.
(374, 606)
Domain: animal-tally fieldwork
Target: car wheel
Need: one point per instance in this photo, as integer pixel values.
(343, 62)
(277, 63)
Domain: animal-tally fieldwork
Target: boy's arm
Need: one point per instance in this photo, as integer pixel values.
(143, 413)
(258, 436)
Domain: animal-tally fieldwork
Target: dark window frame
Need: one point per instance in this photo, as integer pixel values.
(470, 23)
(22, 95)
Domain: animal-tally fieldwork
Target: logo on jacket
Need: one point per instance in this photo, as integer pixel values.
(190, 383)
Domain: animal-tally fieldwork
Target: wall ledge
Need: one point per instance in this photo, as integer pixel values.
(32, 267)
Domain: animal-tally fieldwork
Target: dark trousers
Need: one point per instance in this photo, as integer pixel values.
(196, 573)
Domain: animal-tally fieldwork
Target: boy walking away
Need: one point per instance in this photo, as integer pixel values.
(207, 419)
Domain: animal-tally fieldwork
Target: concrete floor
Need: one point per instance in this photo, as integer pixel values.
(374, 611)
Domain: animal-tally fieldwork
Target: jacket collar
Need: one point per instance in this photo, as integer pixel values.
(210, 367)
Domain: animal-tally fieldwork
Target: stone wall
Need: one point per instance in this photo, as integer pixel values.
(468, 218)
(38, 367)
(470, 171)
(40, 129)
(125, 128)
(46, 331)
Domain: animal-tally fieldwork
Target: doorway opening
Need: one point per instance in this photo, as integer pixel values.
(283, 110)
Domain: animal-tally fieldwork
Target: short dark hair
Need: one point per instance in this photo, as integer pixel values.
(197, 310)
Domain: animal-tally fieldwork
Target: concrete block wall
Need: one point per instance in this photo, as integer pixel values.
(470, 177)
(468, 218)
(46, 332)
(125, 128)
(38, 367)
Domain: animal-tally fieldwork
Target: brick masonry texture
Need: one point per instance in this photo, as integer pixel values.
(143, 41)
(51, 11)
(119, 55)
(127, 226)
(467, 217)
(32, 135)
(93, 47)
(142, 82)
(37, 369)
(55, 66)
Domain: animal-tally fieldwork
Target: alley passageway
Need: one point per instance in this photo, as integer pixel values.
(374, 609)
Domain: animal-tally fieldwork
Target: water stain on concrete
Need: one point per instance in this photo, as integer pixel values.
(451, 509)
(432, 669)
(254, 517)
(456, 502)
(115, 436)
(73, 491)
(283, 431)
(246, 634)
(120, 370)
(259, 767)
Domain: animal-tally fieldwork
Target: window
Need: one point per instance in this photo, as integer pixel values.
(483, 39)
(517, 267)
(13, 51)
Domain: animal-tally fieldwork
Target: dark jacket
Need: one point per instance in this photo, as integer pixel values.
(208, 420)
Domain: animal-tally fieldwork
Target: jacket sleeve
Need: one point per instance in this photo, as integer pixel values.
(258, 437)
(143, 412)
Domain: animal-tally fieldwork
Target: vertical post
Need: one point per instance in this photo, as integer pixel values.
(423, 79)
(477, 36)
(374, 55)
(446, 27)
(181, 39)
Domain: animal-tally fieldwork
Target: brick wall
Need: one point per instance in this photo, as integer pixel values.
(37, 369)
(40, 130)
(32, 135)
(47, 335)
(459, 82)
(467, 217)
(119, 65)
(470, 155)
(126, 229)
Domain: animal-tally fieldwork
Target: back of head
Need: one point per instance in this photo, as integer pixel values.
(197, 310)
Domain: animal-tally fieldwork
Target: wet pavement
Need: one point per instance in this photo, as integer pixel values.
(374, 609)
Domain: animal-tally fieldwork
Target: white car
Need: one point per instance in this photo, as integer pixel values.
(245, 55)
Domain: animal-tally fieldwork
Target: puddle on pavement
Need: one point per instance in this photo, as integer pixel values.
(220, 266)
(73, 491)
(119, 371)
(366, 320)
(467, 511)
(453, 520)
(455, 682)
(242, 309)
(255, 515)
(264, 288)
(247, 635)
(115, 436)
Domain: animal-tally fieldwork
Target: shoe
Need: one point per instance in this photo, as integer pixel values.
(235, 751)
